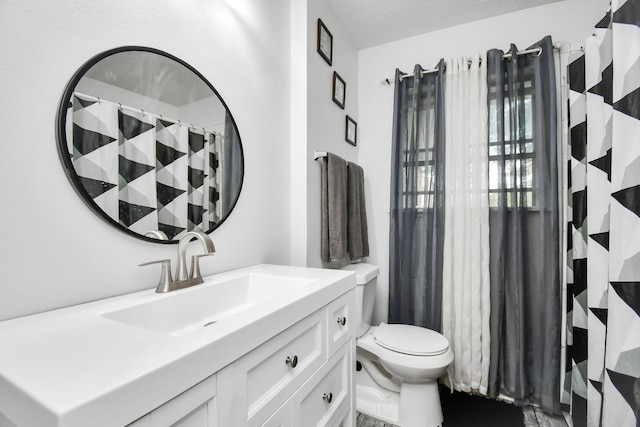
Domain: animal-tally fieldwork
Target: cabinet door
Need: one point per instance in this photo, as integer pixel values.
(201, 417)
(195, 407)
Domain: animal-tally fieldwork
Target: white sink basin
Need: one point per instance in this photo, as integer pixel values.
(192, 309)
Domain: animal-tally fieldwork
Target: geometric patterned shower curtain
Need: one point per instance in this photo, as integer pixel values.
(604, 231)
(145, 172)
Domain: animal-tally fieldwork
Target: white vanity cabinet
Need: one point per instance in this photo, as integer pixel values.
(196, 407)
(302, 376)
(262, 345)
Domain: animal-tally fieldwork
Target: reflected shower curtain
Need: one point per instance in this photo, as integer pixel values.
(144, 172)
(525, 267)
(137, 198)
(604, 244)
(417, 200)
(466, 285)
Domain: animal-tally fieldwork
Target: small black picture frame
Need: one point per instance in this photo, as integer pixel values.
(325, 42)
(339, 90)
(350, 131)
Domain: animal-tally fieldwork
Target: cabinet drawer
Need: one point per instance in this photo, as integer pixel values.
(280, 363)
(261, 381)
(341, 321)
(283, 417)
(324, 400)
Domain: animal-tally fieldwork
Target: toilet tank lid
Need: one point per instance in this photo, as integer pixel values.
(364, 272)
(408, 339)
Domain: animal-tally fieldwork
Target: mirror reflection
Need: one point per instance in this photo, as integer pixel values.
(149, 144)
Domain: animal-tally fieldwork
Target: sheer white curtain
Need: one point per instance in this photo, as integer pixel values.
(466, 282)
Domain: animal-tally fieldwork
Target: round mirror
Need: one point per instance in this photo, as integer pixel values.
(149, 144)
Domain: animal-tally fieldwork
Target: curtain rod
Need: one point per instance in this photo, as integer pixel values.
(319, 154)
(140, 111)
(535, 50)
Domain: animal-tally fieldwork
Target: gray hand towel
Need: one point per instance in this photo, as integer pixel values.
(358, 240)
(334, 208)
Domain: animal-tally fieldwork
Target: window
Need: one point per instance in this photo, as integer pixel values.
(515, 148)
(418, 191)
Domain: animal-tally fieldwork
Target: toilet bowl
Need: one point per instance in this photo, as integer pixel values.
(398, 366)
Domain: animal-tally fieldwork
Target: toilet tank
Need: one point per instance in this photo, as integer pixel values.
(366, 278)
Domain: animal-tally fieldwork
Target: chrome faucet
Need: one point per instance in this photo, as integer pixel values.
(207, 244)
(157, 234)
(184, 279)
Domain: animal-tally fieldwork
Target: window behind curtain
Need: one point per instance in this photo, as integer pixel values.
(520, 165)
(517, 147)
(424, 160)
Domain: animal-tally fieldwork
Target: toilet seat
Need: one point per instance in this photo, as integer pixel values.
(369, 344)
(410, 340)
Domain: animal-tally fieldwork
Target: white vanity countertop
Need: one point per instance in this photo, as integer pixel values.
(74, 367)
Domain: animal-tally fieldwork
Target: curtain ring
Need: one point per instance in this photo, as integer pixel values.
(98, 100)
(538, 53)
(120, 106)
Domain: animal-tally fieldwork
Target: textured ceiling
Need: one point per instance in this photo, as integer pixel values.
(374, 22)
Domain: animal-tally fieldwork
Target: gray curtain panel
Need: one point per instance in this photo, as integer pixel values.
(417, 200)
(524, 218)
(232, 173)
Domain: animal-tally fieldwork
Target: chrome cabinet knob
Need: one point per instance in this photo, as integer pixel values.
(327, 397)
(292, 361)
(342, 321)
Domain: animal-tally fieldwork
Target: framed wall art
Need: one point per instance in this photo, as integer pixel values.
(325, 42)
(339, 90)
(350, 130)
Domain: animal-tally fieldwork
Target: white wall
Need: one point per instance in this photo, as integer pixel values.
(570, 20)
(325, 119)
(317, 123)
(55, 251)
(107, 92)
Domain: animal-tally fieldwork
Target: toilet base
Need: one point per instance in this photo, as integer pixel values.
(416, 405)
(420, 405)
(380, 404)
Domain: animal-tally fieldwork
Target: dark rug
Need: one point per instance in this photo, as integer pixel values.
(466, 410)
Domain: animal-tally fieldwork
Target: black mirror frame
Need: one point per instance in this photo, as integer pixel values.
(62, 144)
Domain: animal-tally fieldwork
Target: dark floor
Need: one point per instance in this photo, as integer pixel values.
(465, 410)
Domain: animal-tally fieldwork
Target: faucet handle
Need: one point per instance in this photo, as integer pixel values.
(165, 276)
(195, 266)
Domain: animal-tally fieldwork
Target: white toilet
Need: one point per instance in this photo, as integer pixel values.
(398, 365)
